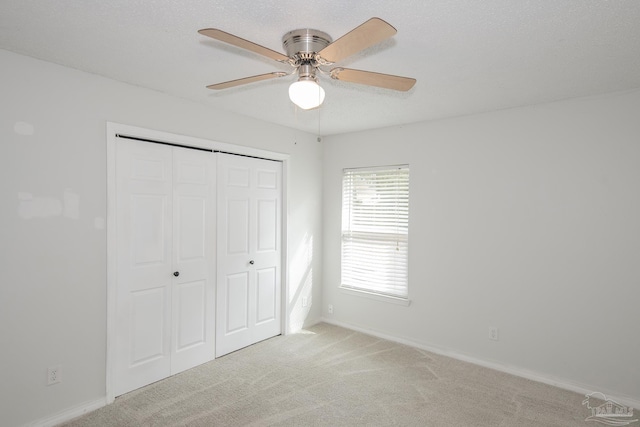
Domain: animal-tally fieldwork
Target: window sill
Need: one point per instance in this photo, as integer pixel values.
(378, 297)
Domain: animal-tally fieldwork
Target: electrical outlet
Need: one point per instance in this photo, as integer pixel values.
(54, 375)
(330, 309)
(305, 302)
(493, 333)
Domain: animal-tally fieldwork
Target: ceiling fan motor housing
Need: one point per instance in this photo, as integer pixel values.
(302, 45)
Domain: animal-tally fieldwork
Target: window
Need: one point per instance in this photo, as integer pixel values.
(375, 228)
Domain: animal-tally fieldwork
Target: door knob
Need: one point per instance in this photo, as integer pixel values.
(251, 262)
(176, 273)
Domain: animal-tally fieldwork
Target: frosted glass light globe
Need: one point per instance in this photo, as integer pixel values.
(306, 94)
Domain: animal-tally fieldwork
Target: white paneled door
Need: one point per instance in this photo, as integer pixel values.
(249, 251)
(165, 224)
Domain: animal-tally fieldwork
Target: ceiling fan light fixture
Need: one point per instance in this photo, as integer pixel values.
(306, 93)
(308, 50)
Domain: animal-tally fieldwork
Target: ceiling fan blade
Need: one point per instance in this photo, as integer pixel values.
(368, 34)
(246, 80)
(386, 81)
(244, 44)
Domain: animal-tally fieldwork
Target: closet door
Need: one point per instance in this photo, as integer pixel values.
(194, 228)
(249, 251)
(165, 259)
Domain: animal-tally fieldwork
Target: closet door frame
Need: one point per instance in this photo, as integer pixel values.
(114, 129)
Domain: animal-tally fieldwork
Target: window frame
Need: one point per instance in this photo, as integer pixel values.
(384, 235)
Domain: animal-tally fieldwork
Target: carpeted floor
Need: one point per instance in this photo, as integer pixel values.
(331, 376)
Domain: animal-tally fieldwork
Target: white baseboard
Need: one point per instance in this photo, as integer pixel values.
(563, 383)
(310, 322)
(70, 413)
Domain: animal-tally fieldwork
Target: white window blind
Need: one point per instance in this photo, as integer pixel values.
(375, 229)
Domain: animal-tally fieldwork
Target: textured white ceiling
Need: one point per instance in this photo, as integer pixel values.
(468, 56)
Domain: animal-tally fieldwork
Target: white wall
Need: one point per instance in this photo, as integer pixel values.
(525, 219)
(53, 240)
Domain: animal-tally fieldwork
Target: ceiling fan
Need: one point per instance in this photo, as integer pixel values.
(308, 51)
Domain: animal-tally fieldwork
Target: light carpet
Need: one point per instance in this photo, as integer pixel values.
(331, 376)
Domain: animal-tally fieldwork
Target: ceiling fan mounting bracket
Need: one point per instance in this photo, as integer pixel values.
(335, 73)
